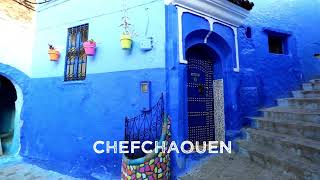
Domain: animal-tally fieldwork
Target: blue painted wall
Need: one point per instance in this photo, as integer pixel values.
(221, 41)
(54, 19)
(62, 120)
(263, 76)
(266, 76)
(301, 18)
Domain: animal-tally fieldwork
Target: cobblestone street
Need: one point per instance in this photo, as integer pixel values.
(232, 167)
(24, 171)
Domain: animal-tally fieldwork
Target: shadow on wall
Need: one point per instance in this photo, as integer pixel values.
(8, 115)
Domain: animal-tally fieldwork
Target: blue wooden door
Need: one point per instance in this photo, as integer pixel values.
(200, 99)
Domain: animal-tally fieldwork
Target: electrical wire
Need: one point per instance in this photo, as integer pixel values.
(43, 2)
(148, 22)
(100, 15)
(47, 6)
(28, 6)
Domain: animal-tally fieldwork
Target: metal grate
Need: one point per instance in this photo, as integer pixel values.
(76, 59)
(145, 127)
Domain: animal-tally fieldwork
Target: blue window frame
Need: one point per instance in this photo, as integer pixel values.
(76, 59)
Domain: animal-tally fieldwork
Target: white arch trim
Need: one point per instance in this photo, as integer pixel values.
(16, 144)
(227, 14)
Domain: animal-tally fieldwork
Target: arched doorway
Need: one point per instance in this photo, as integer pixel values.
(8, 98)
(205, 94)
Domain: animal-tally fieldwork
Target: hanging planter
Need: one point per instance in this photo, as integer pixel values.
(126, 41)
(128, 32)
(54, 54)
(90, 47)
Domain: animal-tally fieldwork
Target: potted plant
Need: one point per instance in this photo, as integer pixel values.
(90, 47)
(126, 40)
(126, 37)
(53, 53)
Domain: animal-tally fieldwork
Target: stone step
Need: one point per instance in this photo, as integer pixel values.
(280, 113)
(271, 159)
(300, 103)
(290, 127)
(311, 86)
(299, 147)
(306, 94)
(233, 167)
(315, 81)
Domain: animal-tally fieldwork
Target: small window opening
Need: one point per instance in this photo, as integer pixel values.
(248, 32)
(276, 44)
(278, 41)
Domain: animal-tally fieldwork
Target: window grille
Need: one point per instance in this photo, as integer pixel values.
(76, 59)
(145, 127)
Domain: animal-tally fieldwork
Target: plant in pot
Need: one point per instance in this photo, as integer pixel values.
(126, 37)
(53, 53)
(90, 47)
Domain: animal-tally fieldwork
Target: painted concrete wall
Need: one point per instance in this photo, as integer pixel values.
(267, 76)
(16, 34)
(301, 18)
(263, 76)
(104, 27)
(64, 119)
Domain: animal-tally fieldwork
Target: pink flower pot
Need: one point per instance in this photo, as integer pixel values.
(89, 48)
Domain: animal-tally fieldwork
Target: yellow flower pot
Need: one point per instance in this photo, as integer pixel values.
(54, 55)
(126, 41)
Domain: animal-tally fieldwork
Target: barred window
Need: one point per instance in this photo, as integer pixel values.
(76, 59)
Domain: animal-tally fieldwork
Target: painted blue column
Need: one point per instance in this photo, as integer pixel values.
(176, 100)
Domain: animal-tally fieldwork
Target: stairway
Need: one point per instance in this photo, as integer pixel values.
(287, 137)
